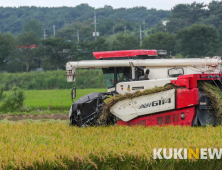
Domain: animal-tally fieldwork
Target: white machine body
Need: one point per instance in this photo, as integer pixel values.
(131, 108)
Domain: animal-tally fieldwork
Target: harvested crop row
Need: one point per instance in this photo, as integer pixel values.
(215, 96)
(53, 146)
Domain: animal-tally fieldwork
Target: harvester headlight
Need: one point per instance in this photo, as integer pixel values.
(182, 115)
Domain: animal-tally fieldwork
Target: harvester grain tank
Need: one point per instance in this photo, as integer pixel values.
(129, 71)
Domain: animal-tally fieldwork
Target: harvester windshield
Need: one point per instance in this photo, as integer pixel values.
(123, 74)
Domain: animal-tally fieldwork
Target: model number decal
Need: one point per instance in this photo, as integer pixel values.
(155, 103)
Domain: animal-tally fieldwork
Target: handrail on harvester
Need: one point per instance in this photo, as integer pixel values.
(139, 62)
(72, 65)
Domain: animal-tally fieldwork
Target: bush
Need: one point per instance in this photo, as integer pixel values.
(14, 101)
(1, 92)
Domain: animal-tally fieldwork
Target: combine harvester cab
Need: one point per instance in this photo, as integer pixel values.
(170, 90)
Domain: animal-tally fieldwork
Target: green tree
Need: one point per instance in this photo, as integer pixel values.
(106, 26)
(197, 40)
(69, 32)
(125, 42)
(12, 19)
(15, 63)
(160, 41)
(6, 47)
(184, 15)
(34, 26)
(25, 49)
(215, 12)
(83, 50)
(220, 40)
(56, 51)
(121, 23)
(86, 32)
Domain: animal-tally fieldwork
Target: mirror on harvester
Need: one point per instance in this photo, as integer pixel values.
(73, 93)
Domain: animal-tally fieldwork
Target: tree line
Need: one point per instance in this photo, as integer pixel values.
(186, 34)
(12, 19)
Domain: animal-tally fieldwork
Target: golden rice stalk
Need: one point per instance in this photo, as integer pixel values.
(215, 97)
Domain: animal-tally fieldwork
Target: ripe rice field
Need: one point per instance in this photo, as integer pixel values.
(53, 144)
(59, 146)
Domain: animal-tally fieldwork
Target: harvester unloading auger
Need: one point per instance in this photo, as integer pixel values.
(149, 90)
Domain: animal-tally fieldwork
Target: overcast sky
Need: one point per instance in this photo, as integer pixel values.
(158, 4)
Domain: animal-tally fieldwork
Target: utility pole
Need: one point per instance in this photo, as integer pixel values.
(95, 24)
(77, 35)
(54, 29)
(140, 35)
(125, 29)
(44, 34)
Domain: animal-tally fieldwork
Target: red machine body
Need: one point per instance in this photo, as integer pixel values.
(164, 118)
(186, 101)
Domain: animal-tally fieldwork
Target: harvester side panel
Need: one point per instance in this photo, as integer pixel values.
(187, 97)
(183, 117)
(148, 104)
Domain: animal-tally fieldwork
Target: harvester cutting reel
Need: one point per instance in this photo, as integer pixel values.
(87, 110)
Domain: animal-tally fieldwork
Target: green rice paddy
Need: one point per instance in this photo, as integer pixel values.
(59, 99)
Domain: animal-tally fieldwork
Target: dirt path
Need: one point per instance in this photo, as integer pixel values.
(34, 117)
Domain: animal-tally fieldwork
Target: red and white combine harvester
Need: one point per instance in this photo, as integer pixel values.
(132, 70)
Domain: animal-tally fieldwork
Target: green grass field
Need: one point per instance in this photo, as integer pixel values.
(54, 99)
